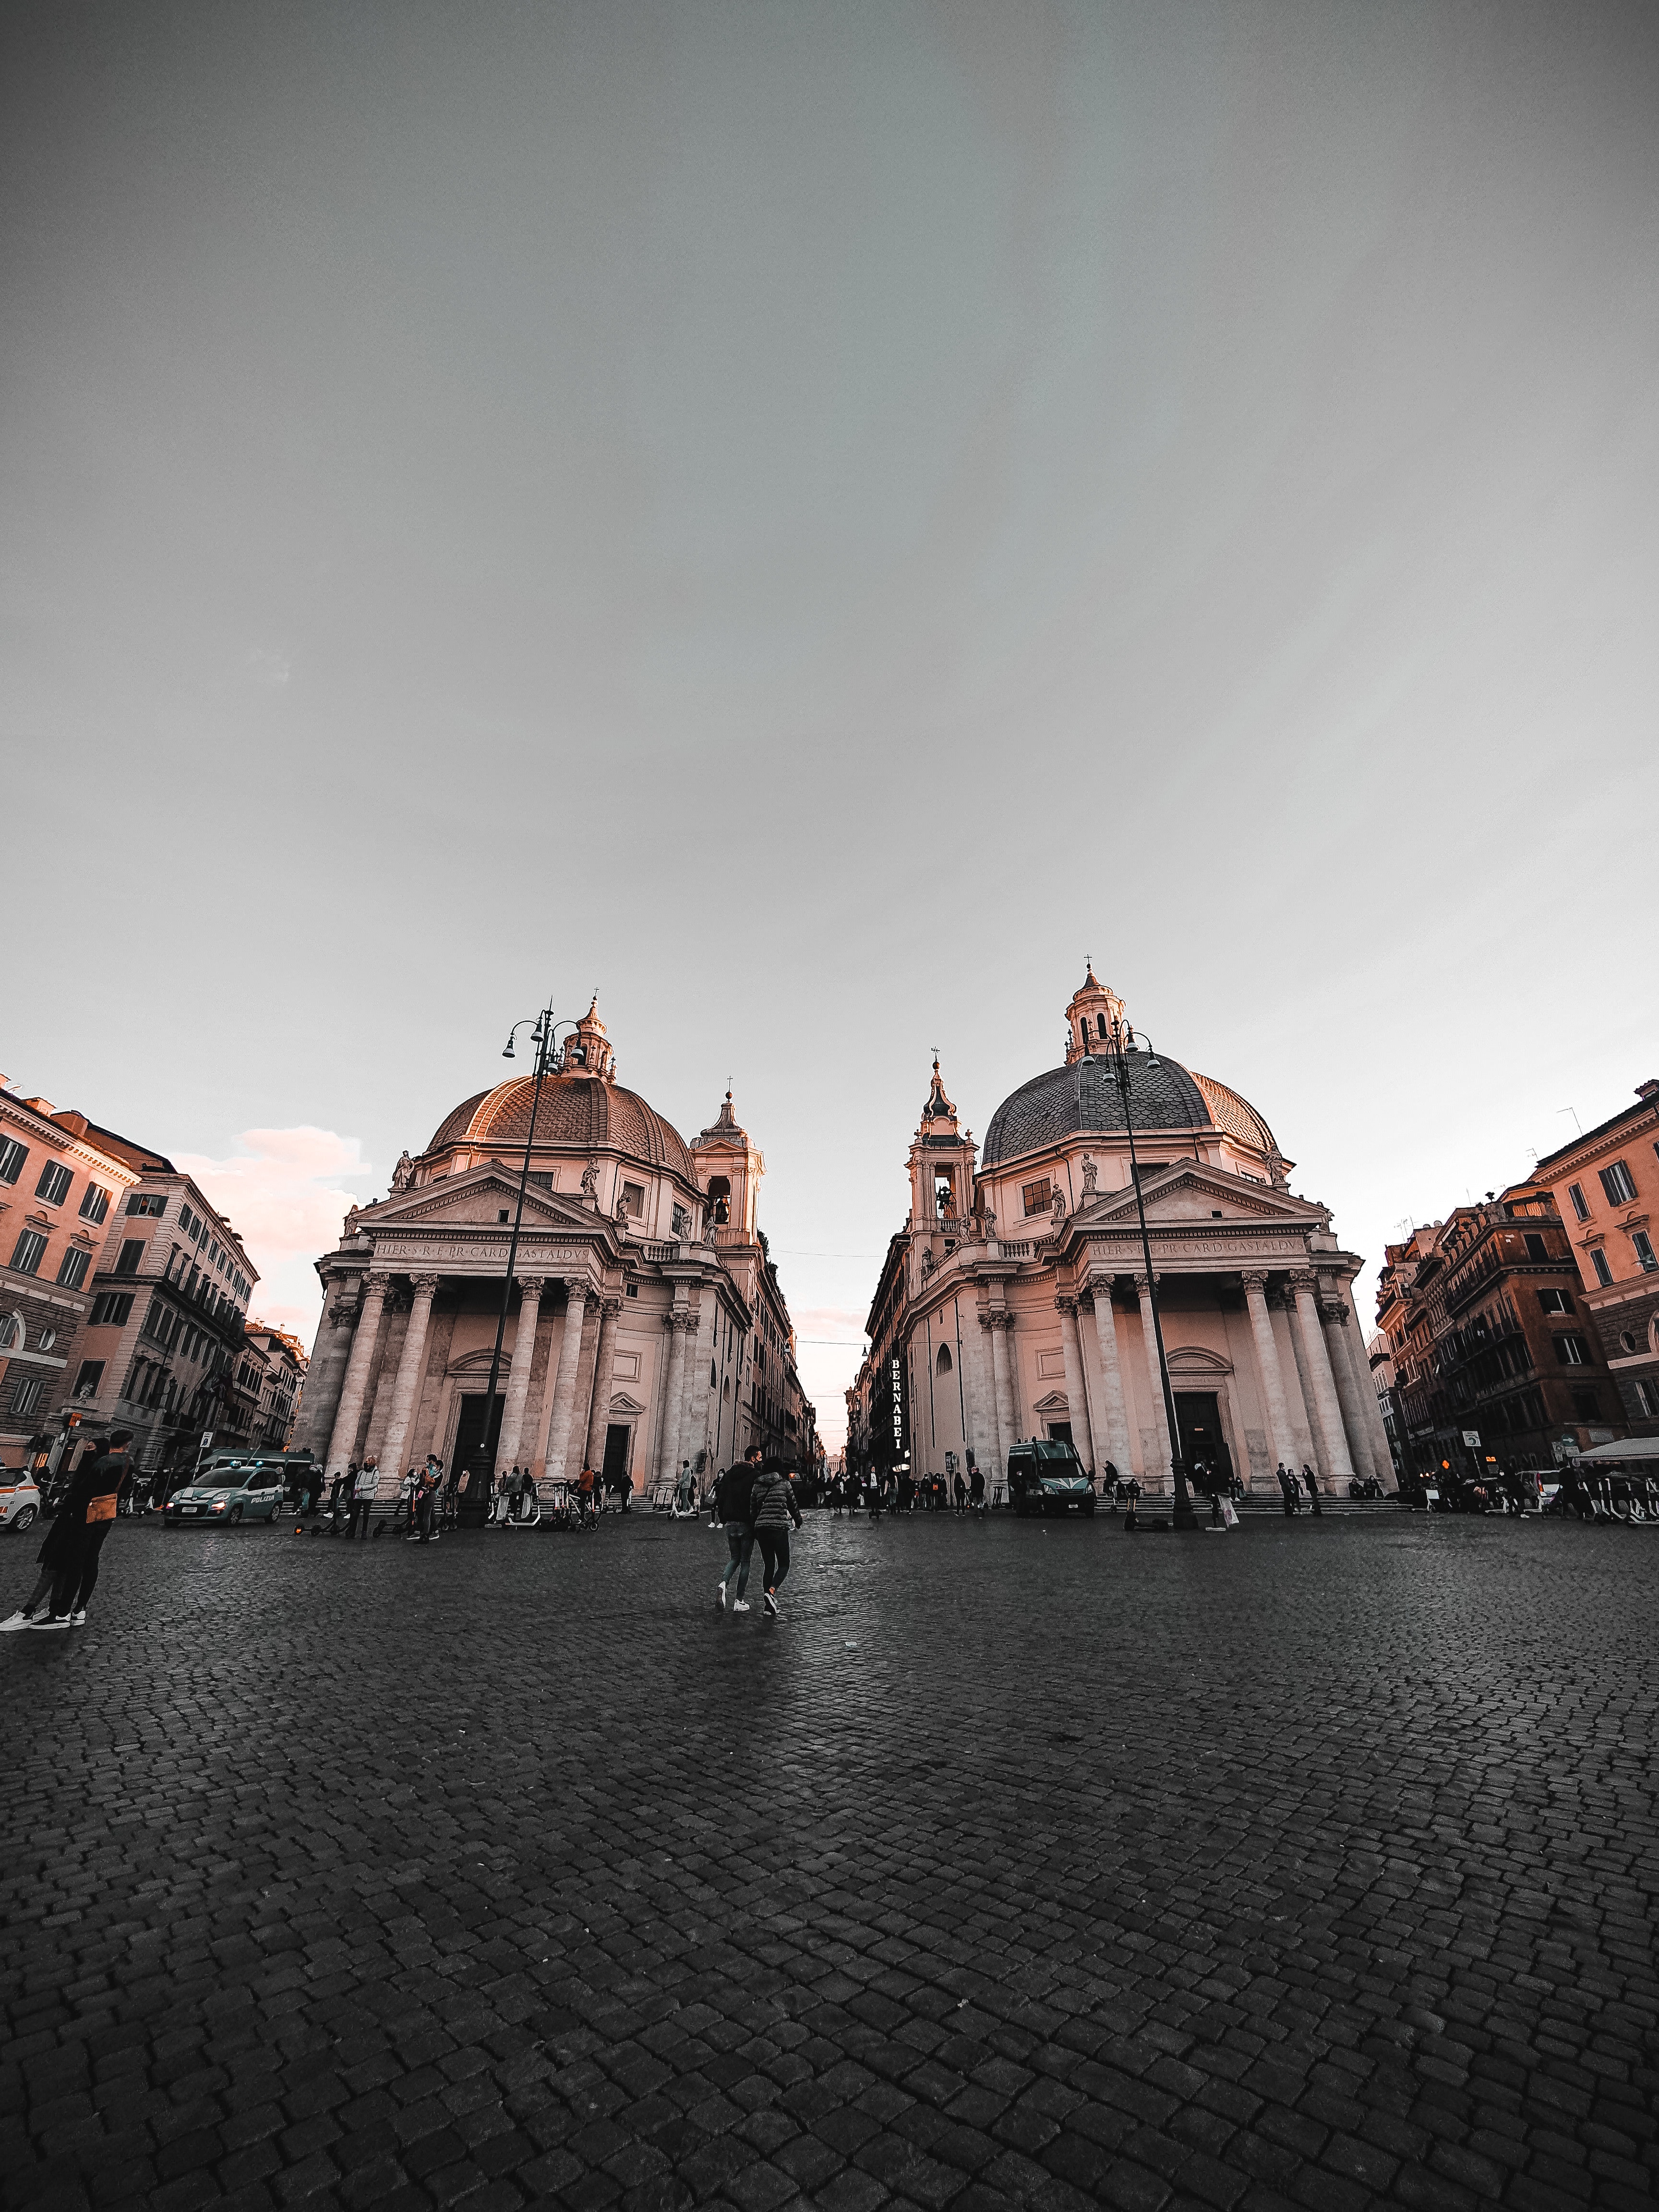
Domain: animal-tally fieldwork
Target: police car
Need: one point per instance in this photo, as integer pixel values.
(20, 1499)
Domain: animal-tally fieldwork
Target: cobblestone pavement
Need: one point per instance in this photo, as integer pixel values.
(1311, 1865)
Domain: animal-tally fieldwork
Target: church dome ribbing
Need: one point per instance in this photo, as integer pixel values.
(1082, 1097)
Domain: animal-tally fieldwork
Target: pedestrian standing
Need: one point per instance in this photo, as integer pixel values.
(426, 1508)
(585, 1492)
(1312, 1483)
(363, 1497)
(404, 1509)
(976, 1490)
(85, 1515)
(772, 1512)
(732, 1496)
(962, 1494)
(1287, 1484)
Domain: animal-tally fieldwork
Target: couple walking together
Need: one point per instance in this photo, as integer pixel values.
(756, 1501)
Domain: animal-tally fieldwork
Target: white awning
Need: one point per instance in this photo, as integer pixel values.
(1626, 1448)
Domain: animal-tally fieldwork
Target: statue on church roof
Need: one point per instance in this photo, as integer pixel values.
(1090, 1173)
(402, 1174)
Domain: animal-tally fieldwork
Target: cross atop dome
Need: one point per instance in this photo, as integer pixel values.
(1089, 1016)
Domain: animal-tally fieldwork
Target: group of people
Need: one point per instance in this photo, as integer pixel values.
(1291, 1485)
(68, 1559)
(755, 1503)
(877, 1494)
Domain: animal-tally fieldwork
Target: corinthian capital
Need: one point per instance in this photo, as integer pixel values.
(425, 1284)
(1303, 1278)
(531, 1288)
(1065, 1304)
(1255, 1278)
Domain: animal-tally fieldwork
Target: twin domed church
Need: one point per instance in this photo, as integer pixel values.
(1015, 1301)
(646, 1323)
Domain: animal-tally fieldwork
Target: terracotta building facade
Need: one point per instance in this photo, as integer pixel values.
(646, 1324)
(1015, 1301)
(1606, 1189)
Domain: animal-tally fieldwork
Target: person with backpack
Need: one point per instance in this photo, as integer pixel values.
(772, 1512)
(731, 1495)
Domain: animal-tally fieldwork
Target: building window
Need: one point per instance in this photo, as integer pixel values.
(73, 1273)
(12, 1157)
(1535, 1246)
(633, 1290)
(942, 1364)
(1586, 1406)
(1038, 1197)
(91, 1374)
(1647, 1398)
(28, 1394)
(1599, 1261)
(1645, 1251)
(633, 1199)
(94, 1205)
(1572, 1351)
(110, 1308)
(1555, 1301)
(54, 1184)
(147, 1201)
(1619, 1184)
(682, 1222)
(28, 1252)
(1580, 1204)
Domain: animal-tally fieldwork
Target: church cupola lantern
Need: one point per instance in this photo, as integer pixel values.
(1089, 1016)
(587, 1049)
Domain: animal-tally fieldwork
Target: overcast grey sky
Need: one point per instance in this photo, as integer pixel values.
(813, 519)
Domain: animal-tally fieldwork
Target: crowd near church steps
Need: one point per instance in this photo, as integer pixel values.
(1015, 1301)
(647, 1326)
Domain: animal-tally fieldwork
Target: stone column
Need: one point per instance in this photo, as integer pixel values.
(1338, 1465)
(995, 1453)
(1119, 1449)
(518, 1375)
(320, 1398)
(1077, 1388)
(1304, 1413)
(407, 1386)
(342, 1442)
(1161, 1438)
(1371, 1429)
(692, 1388)
(669, 1391)
(564, 1384)
(1280, 1441)
(1347, 1386)
(1002, 1354)
(604, 1381)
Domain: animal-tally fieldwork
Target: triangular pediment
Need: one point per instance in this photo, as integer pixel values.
(476, 1199)
(1188, 1190)
(1056, 1402)
(622, 1403)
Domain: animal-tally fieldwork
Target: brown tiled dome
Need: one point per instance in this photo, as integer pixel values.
(578, 1113)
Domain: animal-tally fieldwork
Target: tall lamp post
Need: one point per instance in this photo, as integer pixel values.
(1120, 1051)
(475, 1511)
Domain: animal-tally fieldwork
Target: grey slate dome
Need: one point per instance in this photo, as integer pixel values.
(1084, 1096)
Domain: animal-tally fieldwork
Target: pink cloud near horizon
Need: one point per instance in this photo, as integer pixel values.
(286, 1193)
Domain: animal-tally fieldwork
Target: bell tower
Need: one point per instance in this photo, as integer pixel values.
(729, 1168)
(1089, 1016)
(941, 1163)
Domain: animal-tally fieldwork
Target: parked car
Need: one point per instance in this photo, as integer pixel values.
(1048, 1478)
(252, 1492)
(20, 1500)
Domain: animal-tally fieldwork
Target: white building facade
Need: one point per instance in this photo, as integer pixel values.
(646, 1326)
(1016, 1301)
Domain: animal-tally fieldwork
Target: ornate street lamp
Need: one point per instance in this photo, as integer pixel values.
(475, 1511)
(1119, 1043)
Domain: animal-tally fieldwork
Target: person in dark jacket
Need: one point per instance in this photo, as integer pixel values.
(731, 1495)
(1287, 1484)
(772, 1512)
(1310, 1481)
(83, 1520)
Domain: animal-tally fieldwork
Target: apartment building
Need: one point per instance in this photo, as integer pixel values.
(63, 1180)
(1606, 1189)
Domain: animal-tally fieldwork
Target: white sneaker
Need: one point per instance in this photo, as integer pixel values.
(17, 1621)
(739, 1605)
(720, 1593)
(45, 1620)
(78, 1620)
(771, 1603)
